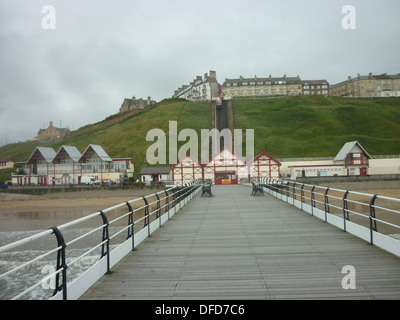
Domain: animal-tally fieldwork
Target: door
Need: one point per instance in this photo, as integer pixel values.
(363, 172)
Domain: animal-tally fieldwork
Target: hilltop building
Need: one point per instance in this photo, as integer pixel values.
(271, 86)
(52, 133)
(382, 85)
(315, 87)
(201, 88)
(136, 104)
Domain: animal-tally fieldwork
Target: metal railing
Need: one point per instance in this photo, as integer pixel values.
(122, 227)
(359, 213)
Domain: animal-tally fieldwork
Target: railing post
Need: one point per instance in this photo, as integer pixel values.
(158, 214)
(326, 204)
(131, 223)
(312, 200)
(167, 203)
(106, 237)
(147, 216)
(372, 221)
(345, 210)
(61, 263)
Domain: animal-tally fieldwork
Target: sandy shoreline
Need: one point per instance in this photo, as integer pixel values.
(20, 212)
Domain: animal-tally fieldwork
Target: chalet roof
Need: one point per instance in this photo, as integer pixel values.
(46, 153)
(263, 153)
(350, 147)
(71, 151)
(93, 148)
(155, 170)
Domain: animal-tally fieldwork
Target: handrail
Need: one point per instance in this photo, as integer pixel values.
(169, 198)
(362, 206)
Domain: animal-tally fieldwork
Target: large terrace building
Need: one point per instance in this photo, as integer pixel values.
(259, 87)
(370, 85)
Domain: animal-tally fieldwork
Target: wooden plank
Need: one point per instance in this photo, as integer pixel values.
(238, 246)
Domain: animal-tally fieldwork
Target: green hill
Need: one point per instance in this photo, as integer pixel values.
(285, 127)
(318, 126)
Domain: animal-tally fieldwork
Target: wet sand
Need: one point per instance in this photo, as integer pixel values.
(19, 212)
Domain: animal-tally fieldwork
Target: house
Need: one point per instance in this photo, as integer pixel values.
(136, 104)
(155, 174)
(5, 164)
(37, 168)
(201, 88)
(51, 133)
(68, 166)
(226, 168)
(351, 160)
(354, 158)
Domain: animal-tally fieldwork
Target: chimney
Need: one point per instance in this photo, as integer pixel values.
(241, 78)
(370, 74)
(284, 76)
(349, 78)
(213, 74)
(358, 76)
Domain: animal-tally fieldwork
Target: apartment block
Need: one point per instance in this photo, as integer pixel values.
(370, 85)
(271, 86)
(315, 87)
(201, 88)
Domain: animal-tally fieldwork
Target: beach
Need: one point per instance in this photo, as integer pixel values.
(21, 212)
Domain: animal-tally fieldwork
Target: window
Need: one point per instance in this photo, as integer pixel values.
(260, 82)
(252, 83)
(244, 83)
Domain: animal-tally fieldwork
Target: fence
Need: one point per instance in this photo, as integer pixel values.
(372, 217)
(94, 246)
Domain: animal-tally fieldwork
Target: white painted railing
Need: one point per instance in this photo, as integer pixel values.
(373, 218)
(123, 228)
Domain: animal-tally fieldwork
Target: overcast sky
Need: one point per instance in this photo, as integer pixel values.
(101, 52)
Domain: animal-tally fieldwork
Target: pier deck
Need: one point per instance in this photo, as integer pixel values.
(237, 246)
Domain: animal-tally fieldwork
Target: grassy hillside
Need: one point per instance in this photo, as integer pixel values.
(284, 127)
(126, 137)
(319, 126)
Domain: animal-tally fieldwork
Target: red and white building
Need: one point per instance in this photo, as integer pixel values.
(187, 169)
(351, 160)
(225, 168)
(266, 166)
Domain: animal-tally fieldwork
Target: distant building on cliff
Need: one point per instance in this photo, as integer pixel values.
(201, 88)
(136, 104)
(52, 133)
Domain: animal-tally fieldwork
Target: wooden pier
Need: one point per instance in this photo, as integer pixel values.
(238, 246)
